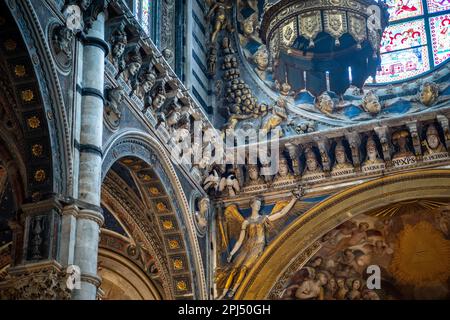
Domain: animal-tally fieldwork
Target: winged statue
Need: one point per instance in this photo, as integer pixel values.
(252, 236)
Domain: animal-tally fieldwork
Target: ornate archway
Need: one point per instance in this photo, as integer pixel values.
(299, 242)
(123, 270)
(161, 194)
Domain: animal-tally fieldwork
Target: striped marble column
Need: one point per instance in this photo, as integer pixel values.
(90, 147)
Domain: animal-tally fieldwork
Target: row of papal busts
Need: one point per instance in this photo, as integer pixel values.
(341, 157)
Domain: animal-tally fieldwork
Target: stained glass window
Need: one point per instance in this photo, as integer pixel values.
(401, 9)
(438, 5)
(142, 11)
(403, 36)
(402, 64)
(416, 40)
(440, 35)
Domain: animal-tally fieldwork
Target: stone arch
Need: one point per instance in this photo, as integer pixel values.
(148, 150)
(122, 271)
(298, 242)
(51, 112)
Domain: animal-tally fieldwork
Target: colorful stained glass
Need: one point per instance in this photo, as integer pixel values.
(401, 9)
(440, 36)
(403, 64)
(438, 5)
(403, 36)
(145, 18)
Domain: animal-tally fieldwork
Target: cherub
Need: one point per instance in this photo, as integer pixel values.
(219, 10)
(251, 242)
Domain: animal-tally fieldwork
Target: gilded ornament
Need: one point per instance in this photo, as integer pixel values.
(19, 70)
(39, 175)
(174, 244)
(27, 95)
(154, 191)
(34, 122)
(161, 207)
(181, 285)
(178, 264)
(10, 45)
(167, 224)
(37, 150)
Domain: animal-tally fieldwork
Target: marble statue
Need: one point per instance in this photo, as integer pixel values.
(325, 103)
(433, 142)
(261, 59)
(229, 186)
(341, 161)
(370, 103)
(400, 140)
(201, 215)
(62, 41)
(251, 238)
(119, 42)
(283, 170)
(312, 164)
(372, 153)
(133, 66)
(429, 93)
(113, 104)
(159, 99)
(253, 177)
(145, 83)
(212, 181)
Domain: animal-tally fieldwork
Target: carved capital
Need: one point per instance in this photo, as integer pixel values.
(36, 282)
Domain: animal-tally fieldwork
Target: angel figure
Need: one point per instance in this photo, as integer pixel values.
(251, 242)
(230, 185)
(219, 9)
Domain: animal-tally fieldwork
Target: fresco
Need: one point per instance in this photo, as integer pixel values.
(409, 242)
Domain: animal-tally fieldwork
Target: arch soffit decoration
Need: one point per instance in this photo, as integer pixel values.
(53, 114)
(299, 241)
(133, 215)
(119, 257)
(141, 145)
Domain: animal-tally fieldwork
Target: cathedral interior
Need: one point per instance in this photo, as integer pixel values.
(224, 149)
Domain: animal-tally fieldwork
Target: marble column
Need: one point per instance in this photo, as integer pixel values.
(90, 218)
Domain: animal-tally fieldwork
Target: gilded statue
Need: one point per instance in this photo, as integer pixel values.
(261, 59)
(400, 140)
(277, 116)
(251, 240)
(341, 161)
(429, 93)
(220, 11)
(370, 103)
(433, 142)
(372, 153)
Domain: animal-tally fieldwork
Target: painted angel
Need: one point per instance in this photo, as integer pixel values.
(251, 242)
